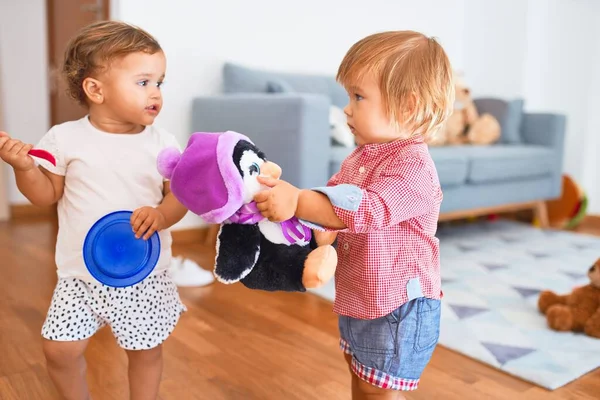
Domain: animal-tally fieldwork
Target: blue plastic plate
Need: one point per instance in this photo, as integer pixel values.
(114, 256)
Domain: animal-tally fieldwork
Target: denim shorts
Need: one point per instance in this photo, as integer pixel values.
(392, 351)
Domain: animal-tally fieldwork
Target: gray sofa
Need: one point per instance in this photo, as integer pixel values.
(287, 116)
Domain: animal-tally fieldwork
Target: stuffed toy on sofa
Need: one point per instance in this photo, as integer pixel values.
(216, 178)
(578, 311)
(465, 125)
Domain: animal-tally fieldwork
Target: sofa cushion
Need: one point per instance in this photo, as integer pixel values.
(278, 85)
(457, 165)
(338, 155)
(239, 79)
(452, 167)
(507, 162)
(508, 113)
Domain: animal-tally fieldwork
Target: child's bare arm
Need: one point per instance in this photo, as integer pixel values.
(171, 208)
(317, 208)
(403, 192)
(147, 220)
(39, 186)
(283, 201)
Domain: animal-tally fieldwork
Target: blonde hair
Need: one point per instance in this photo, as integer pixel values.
(98, 44)
(414, 75)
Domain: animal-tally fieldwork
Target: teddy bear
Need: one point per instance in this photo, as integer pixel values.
(578, 311)
(215, 177)
(465, 125)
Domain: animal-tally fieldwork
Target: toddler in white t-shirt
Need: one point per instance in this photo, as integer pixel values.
(106, 161)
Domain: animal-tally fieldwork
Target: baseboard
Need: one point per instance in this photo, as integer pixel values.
(592, 219)
(590, 223)
(202, 236)
(477, 212)
(28, 211)
(189, 236)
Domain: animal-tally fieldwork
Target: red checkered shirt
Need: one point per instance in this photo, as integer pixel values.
(388, 195)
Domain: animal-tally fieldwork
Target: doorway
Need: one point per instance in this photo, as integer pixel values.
(65, 18)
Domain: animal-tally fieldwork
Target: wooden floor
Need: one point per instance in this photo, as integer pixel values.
(233, 343)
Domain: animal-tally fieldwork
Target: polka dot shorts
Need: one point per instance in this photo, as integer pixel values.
(141, 316)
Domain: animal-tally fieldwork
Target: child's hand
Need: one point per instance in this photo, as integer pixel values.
(278, 203)
(147, 220)
(14, 152)
(324, 238)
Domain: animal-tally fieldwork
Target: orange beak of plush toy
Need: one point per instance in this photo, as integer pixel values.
(271, 169)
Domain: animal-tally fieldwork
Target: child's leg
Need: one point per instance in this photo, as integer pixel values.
(362, 390)
(145, 371)
(142, 317)
(387, 355)
(66, 367)
(70, 322)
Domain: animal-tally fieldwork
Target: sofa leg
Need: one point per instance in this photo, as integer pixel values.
(541, 213)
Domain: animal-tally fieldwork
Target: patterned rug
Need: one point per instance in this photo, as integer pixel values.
(492, 273)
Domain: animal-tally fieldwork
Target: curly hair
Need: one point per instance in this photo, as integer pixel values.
(95, 46)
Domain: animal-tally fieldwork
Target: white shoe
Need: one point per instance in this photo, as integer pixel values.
(187, 273)
(175, 264)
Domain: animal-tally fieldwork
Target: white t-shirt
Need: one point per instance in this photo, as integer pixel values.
(103, 173)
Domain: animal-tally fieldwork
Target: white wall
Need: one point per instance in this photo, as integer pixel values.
(559, 69)
(23, 55)
(309, 36)
(543, 50)
(495, 46)
(591, 143)
(547, 52)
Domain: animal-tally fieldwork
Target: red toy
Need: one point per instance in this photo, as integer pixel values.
(43, 154)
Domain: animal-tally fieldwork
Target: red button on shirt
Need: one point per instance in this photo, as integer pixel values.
(390, 238)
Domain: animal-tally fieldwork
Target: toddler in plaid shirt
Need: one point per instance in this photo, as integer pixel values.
(384, 205)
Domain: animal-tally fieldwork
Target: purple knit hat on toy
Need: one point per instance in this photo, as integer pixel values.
(204, 177)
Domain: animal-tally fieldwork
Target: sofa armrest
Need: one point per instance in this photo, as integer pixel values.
(544, 129)
(292, 129)
(547, 130)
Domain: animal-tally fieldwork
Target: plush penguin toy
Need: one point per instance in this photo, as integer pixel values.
(216, 178)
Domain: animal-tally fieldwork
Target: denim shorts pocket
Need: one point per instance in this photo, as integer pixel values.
(428, 323)
(375, 336)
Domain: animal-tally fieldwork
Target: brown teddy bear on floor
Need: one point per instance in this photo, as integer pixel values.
(578, 311)
(465, 125)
